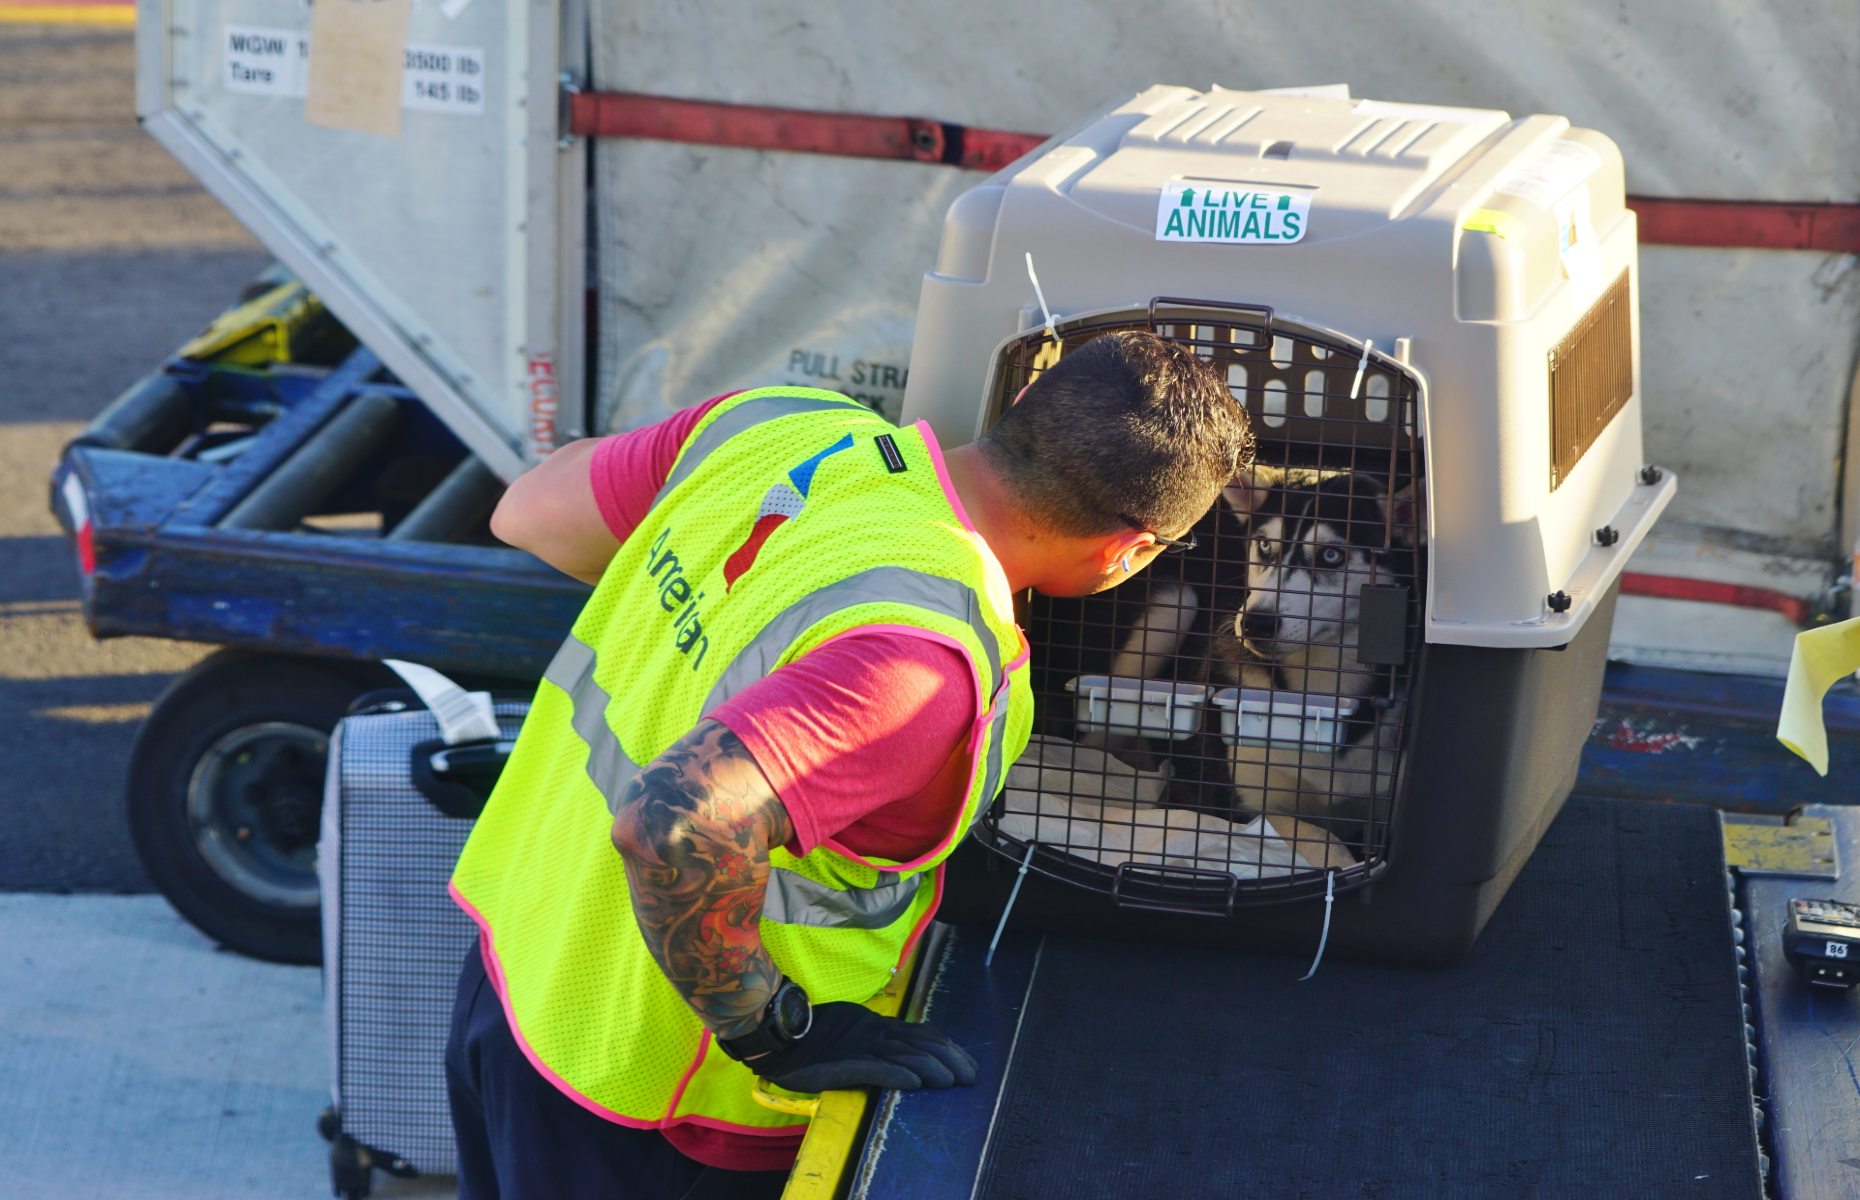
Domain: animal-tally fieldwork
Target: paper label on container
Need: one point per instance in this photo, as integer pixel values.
(444, 79)
(1315, 91)
(1195, 211)
(1576, 244)
(1424, 112)
(266, 61)
(1548, 177)
(357, 65)
(263, 61)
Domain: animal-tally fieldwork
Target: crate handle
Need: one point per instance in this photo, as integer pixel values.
(1262, 313)
(1161, 874)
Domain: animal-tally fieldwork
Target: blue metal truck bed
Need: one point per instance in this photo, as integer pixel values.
(1594, 1044)
(171, 553)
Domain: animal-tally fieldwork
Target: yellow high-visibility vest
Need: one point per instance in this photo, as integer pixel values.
(790, 517)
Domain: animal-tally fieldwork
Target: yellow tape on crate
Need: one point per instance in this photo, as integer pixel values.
(1821, 658)
(1490, 220)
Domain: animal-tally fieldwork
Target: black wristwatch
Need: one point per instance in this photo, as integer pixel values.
(785, 1021)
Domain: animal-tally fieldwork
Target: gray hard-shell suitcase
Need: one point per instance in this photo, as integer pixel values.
(398, 804)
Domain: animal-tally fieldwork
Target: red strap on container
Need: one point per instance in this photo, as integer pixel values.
(1754, 224)
(757, 127)
(1710, 591)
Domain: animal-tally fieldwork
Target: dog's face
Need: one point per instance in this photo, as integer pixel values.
(1312, 549)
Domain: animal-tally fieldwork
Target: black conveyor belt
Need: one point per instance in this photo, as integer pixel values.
(1590, 1046)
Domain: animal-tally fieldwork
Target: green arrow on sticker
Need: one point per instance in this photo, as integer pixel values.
(1285, 202)
(1188, 197)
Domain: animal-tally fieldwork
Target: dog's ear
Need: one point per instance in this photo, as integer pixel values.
(1249, 489)
(1407, 511)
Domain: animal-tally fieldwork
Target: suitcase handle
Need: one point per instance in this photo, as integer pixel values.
(457, 779)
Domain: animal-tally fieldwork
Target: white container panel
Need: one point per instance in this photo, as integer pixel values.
(435, 238)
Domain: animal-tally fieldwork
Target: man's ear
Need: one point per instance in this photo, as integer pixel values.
(1114, 546)
(1406, 510)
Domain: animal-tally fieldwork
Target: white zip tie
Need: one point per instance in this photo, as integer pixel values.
(1000, 926)
(1330, 898)
(1041, 297)
(1362, 363)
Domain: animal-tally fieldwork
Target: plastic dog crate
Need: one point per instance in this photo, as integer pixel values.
(1376, 671)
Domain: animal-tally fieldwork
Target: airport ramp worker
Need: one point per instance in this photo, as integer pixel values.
(796, 684)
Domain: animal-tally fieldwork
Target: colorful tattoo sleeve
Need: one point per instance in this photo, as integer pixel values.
(695, 829)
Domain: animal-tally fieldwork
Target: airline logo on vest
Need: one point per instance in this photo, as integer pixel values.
(783, 502)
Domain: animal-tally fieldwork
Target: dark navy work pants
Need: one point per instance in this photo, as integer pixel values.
(521, 1139)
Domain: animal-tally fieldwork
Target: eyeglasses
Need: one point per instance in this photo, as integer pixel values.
(1169, 545)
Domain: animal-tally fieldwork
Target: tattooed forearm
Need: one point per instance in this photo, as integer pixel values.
(695, 829)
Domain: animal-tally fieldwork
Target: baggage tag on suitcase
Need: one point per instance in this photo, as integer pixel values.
(457, 770)
(407, 775)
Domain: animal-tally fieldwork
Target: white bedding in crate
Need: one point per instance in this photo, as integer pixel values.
(1095, 806)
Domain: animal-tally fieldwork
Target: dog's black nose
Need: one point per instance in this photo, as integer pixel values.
(1259, 626)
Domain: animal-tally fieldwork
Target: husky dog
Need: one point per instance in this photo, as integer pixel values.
(1268, 600)
(1316, 538)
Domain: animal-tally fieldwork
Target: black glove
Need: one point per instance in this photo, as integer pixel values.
(850, 1046)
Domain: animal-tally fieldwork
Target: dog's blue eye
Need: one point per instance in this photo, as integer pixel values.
(1267, 550)
(1330, 556)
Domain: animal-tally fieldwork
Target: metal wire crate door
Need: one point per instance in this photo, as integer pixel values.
(1229, 727)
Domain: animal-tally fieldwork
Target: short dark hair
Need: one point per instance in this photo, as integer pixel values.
(1126, 426)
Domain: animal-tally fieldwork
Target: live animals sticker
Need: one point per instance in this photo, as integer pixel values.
(1196, 211)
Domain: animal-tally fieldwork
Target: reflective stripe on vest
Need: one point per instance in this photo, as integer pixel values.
(733, 422)
(950, 597)
(609, 767)
(791, 899)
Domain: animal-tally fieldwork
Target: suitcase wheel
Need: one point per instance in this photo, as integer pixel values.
(352, 1164)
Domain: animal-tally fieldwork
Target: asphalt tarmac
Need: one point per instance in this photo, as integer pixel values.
(110, 257)
(137, 1059)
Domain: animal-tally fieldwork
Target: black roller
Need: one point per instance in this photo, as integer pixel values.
(152, 417)
(453, 508)
(320, 466)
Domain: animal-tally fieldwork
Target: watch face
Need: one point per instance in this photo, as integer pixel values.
(793, 1014)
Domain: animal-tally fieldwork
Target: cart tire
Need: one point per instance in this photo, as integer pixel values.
(225, 795)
